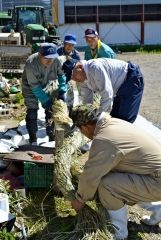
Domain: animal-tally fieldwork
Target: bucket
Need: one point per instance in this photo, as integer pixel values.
(4, 203)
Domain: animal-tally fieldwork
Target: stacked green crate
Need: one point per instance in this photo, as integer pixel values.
(38, 175)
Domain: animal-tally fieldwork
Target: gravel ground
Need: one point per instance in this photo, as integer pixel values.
(151, 69)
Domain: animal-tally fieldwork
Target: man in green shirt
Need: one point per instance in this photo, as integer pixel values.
(96, 48)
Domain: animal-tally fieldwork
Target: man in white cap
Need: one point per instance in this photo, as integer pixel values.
(41, 69)
(96, 48)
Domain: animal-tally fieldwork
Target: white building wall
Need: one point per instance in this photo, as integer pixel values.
(120, 33)
(110, 33)
(77, 29)
(116, 33)
(152, 33)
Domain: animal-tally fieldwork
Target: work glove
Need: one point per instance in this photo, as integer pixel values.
(62, 96)
(47, 105)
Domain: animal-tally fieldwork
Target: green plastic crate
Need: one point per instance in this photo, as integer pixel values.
(38, 175)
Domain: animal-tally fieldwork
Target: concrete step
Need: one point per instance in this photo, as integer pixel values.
(6, 112)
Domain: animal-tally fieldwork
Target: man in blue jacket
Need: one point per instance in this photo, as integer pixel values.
(41, 71)
(96, 48)
(68, 49)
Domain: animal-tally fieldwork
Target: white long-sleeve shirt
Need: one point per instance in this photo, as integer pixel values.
(104, 76)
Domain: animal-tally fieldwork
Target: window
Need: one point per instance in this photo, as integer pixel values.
(152, 12)
(131, 13)
(114, 13)
(80, 14)
(109, 13)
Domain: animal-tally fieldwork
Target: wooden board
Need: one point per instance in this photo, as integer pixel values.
(22, 154)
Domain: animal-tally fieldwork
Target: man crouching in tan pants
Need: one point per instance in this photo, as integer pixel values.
(124, 167)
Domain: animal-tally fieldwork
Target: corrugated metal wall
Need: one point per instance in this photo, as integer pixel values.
(120, 33)
(116, 33)
(152, 33)
(112, 32)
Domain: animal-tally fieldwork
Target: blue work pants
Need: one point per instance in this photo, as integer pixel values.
(127, 101)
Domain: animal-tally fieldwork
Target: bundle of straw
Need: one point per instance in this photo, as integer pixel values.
(90, 225)
(60, 117)
(63, 161)
(60, 113)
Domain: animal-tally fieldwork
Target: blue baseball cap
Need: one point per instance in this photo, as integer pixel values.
(70, 38)
(48, 50)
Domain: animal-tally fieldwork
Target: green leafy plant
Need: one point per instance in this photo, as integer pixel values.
(4, 235)
(18, 98)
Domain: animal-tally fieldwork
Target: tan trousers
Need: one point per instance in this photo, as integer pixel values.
(117, 189)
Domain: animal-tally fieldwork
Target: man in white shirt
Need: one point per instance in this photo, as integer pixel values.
(120, 85)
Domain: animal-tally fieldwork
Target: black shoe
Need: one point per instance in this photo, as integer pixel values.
(33, 140)
(51, 137)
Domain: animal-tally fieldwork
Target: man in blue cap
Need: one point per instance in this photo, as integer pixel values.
(68, 49)
(41, 70)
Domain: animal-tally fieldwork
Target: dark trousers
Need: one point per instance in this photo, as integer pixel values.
(127, 101)
(50, 125)
(8, 225)
(31, 124)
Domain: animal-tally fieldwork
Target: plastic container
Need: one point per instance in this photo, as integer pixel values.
(4, 203)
